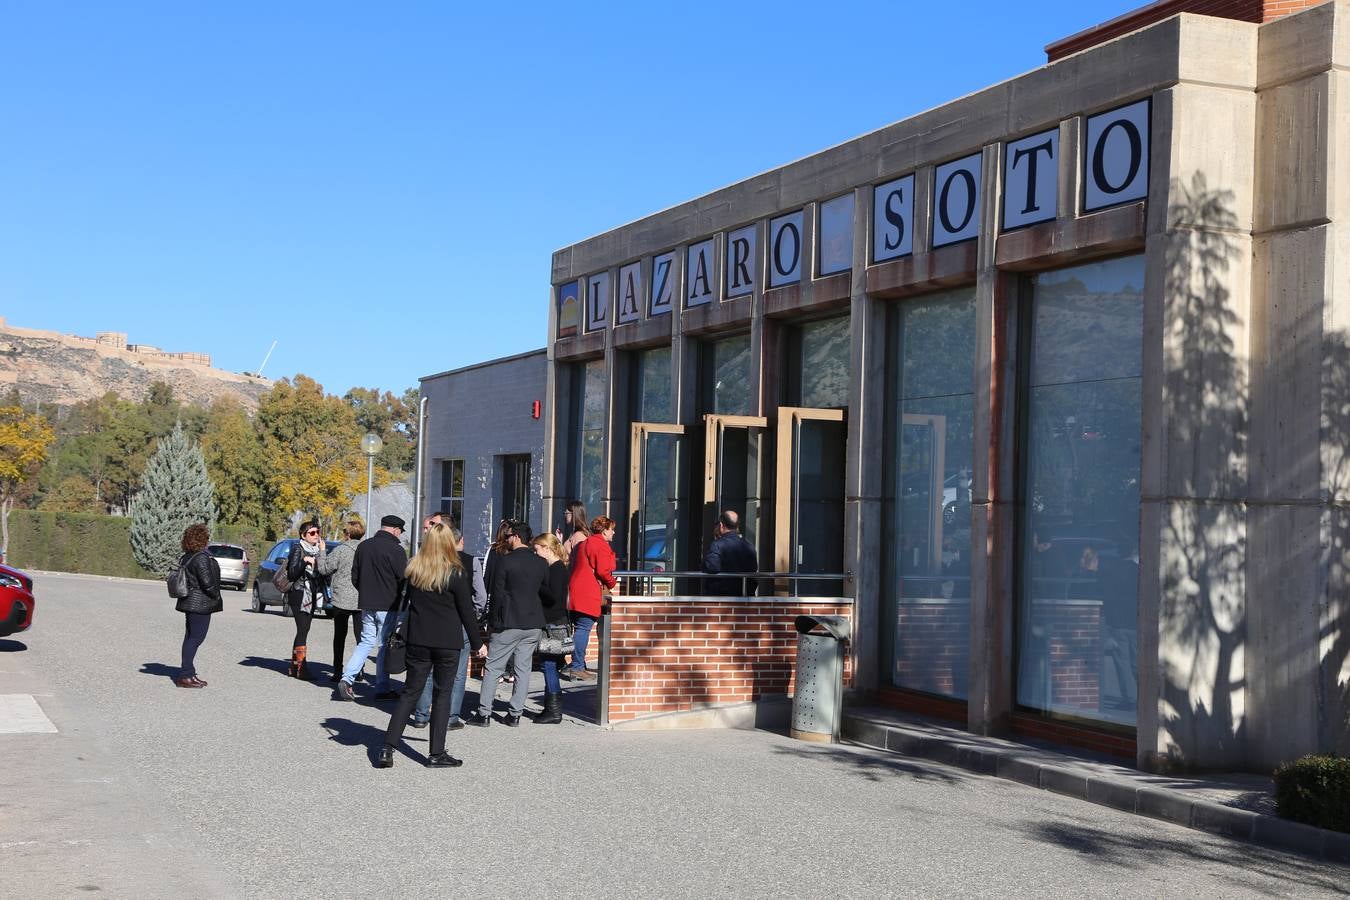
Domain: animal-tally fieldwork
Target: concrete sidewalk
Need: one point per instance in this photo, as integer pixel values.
(1238, 806)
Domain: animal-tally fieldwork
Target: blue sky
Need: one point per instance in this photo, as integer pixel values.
(379, 187)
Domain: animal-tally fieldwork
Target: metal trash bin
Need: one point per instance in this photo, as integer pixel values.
(818, 702)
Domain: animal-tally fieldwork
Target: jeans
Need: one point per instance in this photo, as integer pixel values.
(513, 643)
(580, 639)
(424, 661)
(551, 683)
(423, 711)
(194, 632)
(375, 628)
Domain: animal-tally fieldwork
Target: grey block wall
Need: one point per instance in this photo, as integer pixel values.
(481, 414)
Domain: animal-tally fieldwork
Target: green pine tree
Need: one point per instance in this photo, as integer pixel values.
(175, 492)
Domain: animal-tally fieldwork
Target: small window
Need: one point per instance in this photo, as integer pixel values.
(452, 488)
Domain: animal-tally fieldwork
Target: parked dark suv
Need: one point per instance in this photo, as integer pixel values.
(265, 593)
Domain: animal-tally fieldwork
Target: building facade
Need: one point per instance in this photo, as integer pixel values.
(1056, 376)
(484, 449)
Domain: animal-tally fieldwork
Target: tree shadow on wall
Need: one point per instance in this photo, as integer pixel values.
(1205, 397)
(1334, 626)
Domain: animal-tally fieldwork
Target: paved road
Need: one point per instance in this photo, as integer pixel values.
(261, 786)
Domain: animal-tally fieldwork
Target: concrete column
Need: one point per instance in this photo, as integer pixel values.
(1192, 617)
(1298, 649)
(993, 519)
(863, 484)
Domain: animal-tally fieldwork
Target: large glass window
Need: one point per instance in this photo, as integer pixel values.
(726, 376)
(591, 477)
(821, 361)
(654, 387)
(932, 406)
(1078, 597)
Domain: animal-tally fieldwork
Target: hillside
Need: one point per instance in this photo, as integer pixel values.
(53, 368)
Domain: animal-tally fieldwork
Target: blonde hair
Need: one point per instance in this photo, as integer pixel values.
(552, 544)
(437, 559)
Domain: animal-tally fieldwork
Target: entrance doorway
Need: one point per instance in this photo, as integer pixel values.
(516, 487)
(809, 510)
(735, 456)
(656, 511)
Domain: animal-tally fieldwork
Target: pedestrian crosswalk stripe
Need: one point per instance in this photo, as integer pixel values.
(20, 714)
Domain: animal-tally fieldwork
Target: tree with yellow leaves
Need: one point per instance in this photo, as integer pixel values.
(311, 442)
(24, 439)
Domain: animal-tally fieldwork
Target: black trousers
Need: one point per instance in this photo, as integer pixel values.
(302, 620)
(341, 619)
(194, 632)
(440, 665)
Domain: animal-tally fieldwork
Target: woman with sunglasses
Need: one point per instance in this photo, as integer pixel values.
(308, 590)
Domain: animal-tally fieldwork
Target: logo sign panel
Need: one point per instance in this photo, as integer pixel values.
(1030, 179)
(597, 301)
(663, 285)
(741, 262)
(699, 272)
(630, 289)
(785, 250)
(893, 219)
(836, 235)
(569, 308)
(1115, 161)
(956, 201)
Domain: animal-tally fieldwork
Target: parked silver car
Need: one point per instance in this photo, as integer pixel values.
(233, 561)
(265, 593)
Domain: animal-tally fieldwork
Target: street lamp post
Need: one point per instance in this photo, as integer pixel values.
(371, 445)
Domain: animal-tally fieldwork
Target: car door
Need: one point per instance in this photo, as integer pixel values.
(276, 558)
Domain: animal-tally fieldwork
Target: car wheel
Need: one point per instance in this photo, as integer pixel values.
(257, 604)
(949, 514)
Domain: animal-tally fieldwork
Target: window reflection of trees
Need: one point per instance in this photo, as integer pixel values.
(592, 473)
(824, 363)
(731, 376)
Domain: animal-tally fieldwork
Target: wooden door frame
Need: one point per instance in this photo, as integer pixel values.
(638, 430)
(784, 458)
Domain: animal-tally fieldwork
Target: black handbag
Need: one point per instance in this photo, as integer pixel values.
(396, 644)
(556, 640)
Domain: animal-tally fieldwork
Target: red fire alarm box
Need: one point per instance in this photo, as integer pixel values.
(535, 409)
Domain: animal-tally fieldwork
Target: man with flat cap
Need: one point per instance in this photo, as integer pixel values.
(377, 574)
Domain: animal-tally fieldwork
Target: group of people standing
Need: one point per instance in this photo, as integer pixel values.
(451, 605)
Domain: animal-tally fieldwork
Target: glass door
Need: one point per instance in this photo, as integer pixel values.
(734, 457)
(655, 508)
(809, 510)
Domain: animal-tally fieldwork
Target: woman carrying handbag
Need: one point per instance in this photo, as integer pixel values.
(548, 548)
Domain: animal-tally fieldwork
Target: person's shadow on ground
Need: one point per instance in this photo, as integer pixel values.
(359, 734)
(12, 646)
(267, 662)
(160, 669)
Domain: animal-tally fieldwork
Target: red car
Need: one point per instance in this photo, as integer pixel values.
(16, 601)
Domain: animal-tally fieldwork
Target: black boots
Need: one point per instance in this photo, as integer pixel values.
(552, 713)
(386, 758)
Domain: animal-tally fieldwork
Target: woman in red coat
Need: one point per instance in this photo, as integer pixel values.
(592, 567)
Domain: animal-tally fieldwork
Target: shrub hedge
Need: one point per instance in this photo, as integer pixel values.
(98, 545)
(1315, 790)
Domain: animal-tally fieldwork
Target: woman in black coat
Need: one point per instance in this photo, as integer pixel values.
(202, 600)
(552, 551)
(440, 611)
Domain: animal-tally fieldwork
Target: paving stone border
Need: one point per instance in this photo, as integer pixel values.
(1069, 776)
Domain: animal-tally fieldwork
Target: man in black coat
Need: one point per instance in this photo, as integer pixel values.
(515, 620)
(729, 553)
(377, 574)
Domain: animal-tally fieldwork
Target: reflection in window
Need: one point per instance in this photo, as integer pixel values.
(824, 362)
(933, 343)
(1078, 602)
(726, 376)
(654, 386)
(591, 479)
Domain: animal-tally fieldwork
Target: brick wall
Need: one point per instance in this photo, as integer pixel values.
(1072, 634)
(677, 656)
(932, 646)
(1242, 10)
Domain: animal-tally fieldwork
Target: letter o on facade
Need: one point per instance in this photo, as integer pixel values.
(785, 245)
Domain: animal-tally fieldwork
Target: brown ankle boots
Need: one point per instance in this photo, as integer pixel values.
(298, 668)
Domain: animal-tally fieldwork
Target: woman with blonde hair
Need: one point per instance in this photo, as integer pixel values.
(551, 550)
(440, 611)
